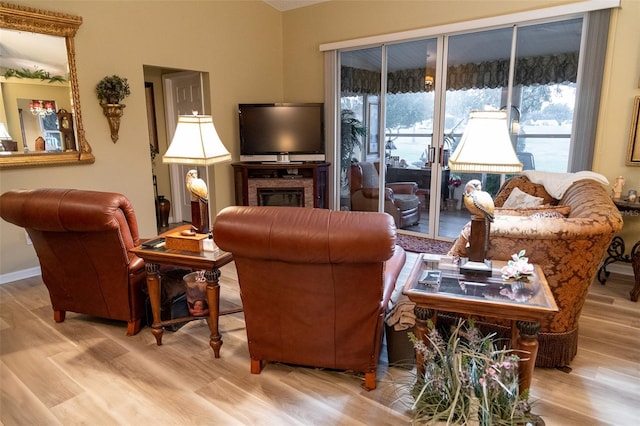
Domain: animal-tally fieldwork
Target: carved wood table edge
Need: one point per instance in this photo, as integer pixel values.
(211, 262)
(524, 317)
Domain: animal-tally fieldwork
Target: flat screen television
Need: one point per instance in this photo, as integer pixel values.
(281, 132)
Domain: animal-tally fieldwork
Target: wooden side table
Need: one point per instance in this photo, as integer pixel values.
(205, 260)
(616, 252)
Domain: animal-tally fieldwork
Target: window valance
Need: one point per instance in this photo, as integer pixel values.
(546, 69)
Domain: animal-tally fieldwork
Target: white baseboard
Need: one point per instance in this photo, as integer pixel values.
(20, 275)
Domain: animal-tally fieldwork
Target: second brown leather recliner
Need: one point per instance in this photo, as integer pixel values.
(400, 198)
(314, 283)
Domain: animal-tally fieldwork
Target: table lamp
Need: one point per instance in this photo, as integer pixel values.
(485, 147)
(197, 143)
(389, 146)
(4, 135)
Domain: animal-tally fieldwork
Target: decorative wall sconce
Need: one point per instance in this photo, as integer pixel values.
(113, 112)
(111, 90)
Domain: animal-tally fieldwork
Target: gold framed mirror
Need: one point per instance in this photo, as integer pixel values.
(73, 148)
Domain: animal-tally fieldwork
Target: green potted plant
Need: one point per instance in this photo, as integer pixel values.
(467, 380)
(111, 90)
(351, 133)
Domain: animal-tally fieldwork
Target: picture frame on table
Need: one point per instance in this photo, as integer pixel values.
(633, 153)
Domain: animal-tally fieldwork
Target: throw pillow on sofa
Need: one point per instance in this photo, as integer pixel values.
(520, 199)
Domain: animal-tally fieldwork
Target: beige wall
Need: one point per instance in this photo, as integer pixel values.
(240, 44)
(621, 86)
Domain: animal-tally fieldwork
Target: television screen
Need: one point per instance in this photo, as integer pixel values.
(271, 129)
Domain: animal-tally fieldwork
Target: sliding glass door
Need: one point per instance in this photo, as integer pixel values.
(360, 115)
(396, 151)
(405, 105)
(531, 71)
(409, 127)
(477, 78)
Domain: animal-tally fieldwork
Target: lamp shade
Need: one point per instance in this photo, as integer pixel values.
(196, 142)
(485, 146)
(4, 134)
(390, 145)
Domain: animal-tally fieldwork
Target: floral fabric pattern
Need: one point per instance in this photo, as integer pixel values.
(569, 251)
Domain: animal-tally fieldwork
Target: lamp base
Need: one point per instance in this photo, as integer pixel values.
(200, 217)
(468, 267)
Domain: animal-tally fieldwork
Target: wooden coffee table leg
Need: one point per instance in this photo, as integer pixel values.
(153, 286)
(527, 346)
(213, 298)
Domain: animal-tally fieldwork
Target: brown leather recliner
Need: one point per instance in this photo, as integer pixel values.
(400, 198)
(314, 283)
(82, 239)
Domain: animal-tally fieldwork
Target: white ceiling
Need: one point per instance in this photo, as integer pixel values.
(24, 50)
(284, 5)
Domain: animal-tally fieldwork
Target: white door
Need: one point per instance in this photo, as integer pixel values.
(183, 95)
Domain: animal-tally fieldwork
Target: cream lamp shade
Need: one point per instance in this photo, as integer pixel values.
(4, 134)
(196, 142)
(485, 146)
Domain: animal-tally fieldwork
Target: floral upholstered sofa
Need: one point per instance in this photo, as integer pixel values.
(568, 238)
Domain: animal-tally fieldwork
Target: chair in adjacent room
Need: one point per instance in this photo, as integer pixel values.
(314, 283)
(82, 239)
(400, 198)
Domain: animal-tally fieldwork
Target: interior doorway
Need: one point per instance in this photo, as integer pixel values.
(176, 92)
(183, 94)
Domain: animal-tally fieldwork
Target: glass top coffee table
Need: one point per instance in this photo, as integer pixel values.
(435, 284)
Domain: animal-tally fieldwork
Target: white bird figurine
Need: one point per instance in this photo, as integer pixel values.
(196, 186)
(478, 202)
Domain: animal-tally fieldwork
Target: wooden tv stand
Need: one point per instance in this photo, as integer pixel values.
(309, 179)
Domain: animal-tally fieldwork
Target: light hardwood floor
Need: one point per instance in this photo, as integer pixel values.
(87, 371)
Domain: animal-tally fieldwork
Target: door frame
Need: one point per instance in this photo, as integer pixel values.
(177, 172)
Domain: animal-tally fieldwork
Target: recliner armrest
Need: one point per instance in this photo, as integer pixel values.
(375, 193)
(403, 187)
(392, 268)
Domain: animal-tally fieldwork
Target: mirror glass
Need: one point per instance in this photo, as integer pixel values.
(40, 118)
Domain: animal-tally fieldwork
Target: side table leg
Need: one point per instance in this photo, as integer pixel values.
(421, 330)
(213, 298)
(635, 261)
(615, 253)
(527, 346)
(153, 286)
